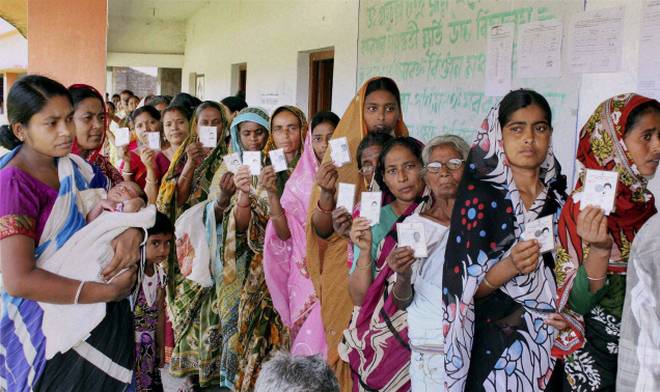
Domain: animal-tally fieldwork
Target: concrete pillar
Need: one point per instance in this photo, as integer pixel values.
(8, 80)
(169, 81)
(67, 40)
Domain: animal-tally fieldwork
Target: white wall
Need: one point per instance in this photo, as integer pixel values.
(121, 59)
(13, 51)
(598, 87)
(267, 35)
(141, 35)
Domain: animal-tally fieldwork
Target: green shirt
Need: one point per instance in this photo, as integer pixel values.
(378, 232)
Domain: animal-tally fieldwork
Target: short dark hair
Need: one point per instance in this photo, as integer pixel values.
(325, 117)
(80, 92)
(372, 139)
(162, 225)
(234, 103)
(187, 101)
(636, 114)
(519, 99)
(27, 97)
(408, 142)
(175, 108)
(153, 112)
(386, 84)
(109, 103)
(127, 91)
(157, 100)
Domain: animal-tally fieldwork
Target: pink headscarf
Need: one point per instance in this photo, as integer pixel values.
(284, 262)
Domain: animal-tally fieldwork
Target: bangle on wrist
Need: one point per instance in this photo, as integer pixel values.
(597, 279)
(278, 215)
(489, 285)
(126, 173)
(408, 298)
(322, 210)
(78, 291)
(150, 181)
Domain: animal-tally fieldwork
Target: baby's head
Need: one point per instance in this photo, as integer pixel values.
(126, 190)
(160, 239)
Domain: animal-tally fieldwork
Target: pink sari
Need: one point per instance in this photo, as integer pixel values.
(284, 263)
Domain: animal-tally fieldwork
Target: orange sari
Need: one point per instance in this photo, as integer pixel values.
(327, 258)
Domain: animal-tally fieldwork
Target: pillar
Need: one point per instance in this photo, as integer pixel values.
(67, 40)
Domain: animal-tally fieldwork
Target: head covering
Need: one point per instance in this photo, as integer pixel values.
(488, 218)
(253, 114)
(203, 176)
(283, 176)
(601, 147)
(95, 158)
(287, 278)
(333, 283)
(75, 148)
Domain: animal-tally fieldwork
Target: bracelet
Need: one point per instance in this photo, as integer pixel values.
(489, 285)
(77, 297)
(127, 173)
(148, 181)
(597, 279)
(408, 298)
(318, 207)
(278, 215)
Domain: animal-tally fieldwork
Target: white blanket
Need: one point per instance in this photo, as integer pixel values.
(83, 257)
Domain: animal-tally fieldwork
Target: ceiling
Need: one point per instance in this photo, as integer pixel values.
(15, 12)
(179, 10)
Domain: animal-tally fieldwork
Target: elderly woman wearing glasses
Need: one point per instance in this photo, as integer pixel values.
(419, 281)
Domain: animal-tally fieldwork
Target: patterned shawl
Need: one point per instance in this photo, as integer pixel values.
(601, 147)
(327, 268)
(378, 329)
(203, 177)
(284, 262)
(96, 158)
(488, 218)
(23, 341)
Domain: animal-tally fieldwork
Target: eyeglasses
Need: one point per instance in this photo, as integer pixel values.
(452, 164)
(367, 170)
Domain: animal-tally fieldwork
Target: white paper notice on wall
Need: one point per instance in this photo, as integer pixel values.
(596, 41)
(648, 82)
(499, 52)
(539, 49)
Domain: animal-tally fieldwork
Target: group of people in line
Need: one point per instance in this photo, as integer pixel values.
(118, 260)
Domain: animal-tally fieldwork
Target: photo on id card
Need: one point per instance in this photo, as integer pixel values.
(412, 235)
(370, 206)
(253, 160)
(339, 151)
(232, 161)
(599, 190)
(541, 230)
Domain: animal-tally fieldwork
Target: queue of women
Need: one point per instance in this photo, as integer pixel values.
(266, 262)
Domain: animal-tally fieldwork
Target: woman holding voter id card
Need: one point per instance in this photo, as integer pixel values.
(596, 229)
(260, 327)
(419, 258)
(91, 121)
(376, 108)
(376, 343)
(290, 286)
(498, 283)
